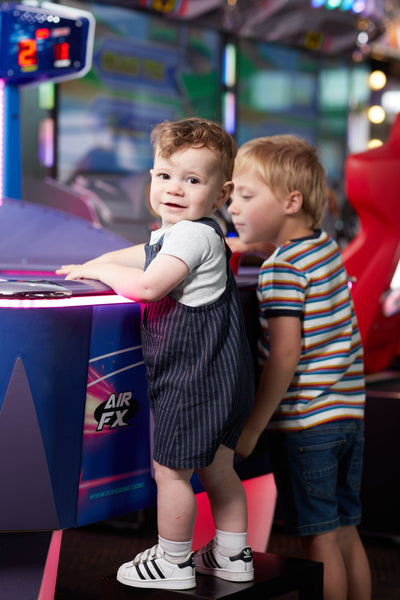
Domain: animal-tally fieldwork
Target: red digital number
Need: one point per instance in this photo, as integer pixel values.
(61, 51)
(42, 34)
(27, 55)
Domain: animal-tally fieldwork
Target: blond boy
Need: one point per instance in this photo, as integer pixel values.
(311, 389)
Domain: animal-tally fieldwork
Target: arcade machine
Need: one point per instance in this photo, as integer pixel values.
(74, 416)
(371, 260)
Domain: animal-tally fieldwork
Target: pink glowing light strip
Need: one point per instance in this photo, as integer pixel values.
(34, 273)
(63, 302)
(1, 141)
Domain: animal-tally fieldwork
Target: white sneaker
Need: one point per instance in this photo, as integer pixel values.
(232, 568)
(150, 569)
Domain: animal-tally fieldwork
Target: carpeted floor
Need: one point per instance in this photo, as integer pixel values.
(91, 552)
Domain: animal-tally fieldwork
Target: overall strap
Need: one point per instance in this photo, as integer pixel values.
(215, 225)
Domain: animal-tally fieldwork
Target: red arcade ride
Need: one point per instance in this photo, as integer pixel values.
(373, 188)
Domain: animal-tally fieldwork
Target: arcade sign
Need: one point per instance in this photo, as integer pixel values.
(41, 41)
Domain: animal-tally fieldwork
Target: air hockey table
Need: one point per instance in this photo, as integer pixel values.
(74, 414)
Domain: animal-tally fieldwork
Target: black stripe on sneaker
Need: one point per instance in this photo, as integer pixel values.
(139, 572)
(149, 573)
(209, 560)
(157, 569)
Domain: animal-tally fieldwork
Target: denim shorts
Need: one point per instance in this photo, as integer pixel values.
(318, 475)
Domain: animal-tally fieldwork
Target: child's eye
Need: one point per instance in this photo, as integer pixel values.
(163, 175)
(193, 180)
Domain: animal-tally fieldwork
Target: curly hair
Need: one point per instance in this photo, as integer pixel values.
(171, 136)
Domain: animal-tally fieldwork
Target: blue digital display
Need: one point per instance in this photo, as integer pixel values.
(44, 42)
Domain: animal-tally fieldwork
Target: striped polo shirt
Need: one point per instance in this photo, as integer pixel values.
(306, 278)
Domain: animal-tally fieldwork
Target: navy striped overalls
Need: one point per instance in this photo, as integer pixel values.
(199, 373)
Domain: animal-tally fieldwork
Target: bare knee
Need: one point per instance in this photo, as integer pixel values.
(314, 545)
(348, 535)
(163, 474)
(219, 470)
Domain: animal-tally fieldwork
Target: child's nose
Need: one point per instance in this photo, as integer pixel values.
(174, 187)
(232, 209)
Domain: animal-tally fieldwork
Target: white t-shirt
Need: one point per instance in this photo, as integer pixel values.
(201, 248)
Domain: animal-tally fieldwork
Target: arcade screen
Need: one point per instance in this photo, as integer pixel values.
(145, 69)
(277, 91)
(289, 90)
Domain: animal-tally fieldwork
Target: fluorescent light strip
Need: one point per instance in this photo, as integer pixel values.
(229, 112)
(63, 302)
(229, 69)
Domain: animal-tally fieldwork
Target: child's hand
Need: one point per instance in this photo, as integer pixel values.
(247, 442)
(236, 245)
(88, 270)
(66, 269)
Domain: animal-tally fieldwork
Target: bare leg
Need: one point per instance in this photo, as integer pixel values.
(225, 492)
(176, 503)
(346, 570)
(357, 565)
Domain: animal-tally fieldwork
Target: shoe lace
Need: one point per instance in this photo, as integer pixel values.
(149, 554)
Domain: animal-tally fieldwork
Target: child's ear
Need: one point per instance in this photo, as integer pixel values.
(224, 193)
(294, 202)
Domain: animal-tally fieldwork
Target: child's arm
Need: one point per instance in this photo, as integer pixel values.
(133, 256)
(263, 249)
(164, 273)
(278, 372)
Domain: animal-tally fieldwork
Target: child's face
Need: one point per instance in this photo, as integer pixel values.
(258, 215)
(189, 185)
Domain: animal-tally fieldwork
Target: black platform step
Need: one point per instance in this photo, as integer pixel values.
(274, 575)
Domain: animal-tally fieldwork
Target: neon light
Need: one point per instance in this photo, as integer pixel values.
(358, 7)
(347, 5)
(65, 302)
(1, 141)
(229, 80)
(331, 4)
(46, 142)
(229, 68)
(46, 95)
(229, 108)
(17, 272)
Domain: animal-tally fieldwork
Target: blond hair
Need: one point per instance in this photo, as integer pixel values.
(169, 137)
(287, 163)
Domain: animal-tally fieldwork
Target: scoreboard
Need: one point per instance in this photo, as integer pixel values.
(42, 41)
